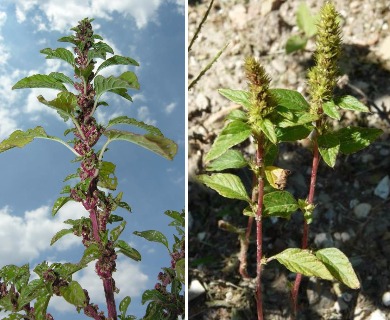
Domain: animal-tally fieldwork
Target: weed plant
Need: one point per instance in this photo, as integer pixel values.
(25, 299)
(272, 116)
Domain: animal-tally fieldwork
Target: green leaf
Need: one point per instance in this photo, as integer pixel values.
(292, 133)
(99, 50)
(279, 204)
(304, 262)
(60, 53)
(21, 138)
(116, 232)
(294, 118)
(60, 234)
(339, 266)
(90, 253)
(179, 218)
(123, 305)
(180, 270)
(353, 139)
(226, 184)
(40, 81)
(17, 275)
(238, 96)
(74, 294)
(127, 250)
(107, 178)
(237, 114)
(155, 143)
(295, 43)
(64, 104)
(30, 291)
(59, 204)
(306, 21)
(61, 77)
(330, 109)
(40, 306)
(117, 60)
(131, 121)
(351, 103)
(329, 146)
(268, 128)
(84, 73)
(102, 84)
(131, 79)
(70, 39)
(290, 99)
(231, 159)
(234, 133)
(122, 92)
(153, 235)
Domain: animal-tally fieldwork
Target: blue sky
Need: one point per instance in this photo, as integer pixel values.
(153, 33)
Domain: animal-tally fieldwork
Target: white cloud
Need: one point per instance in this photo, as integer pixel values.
(24, 238)
(144, 115)
(170, 107)
(62, 15)
(4, 53)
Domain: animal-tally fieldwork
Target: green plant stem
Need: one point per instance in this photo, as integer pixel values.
(259, 227)
(305, 236)
(200, 25)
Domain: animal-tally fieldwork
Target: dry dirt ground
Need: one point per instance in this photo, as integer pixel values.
(349, 213)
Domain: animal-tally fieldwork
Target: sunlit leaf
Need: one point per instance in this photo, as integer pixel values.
(134, 122)
(329, 146)
(234, 133)
(226, 184)
(123, 305)
(107, 178)
(102, 84)
(64, 104)
(351, 103)
(268, 129)
(127, 250)
(304, 262)
(40, 306)
(30, 291)
(116, 232)
(290, 99)
(295, 43)
(231, 159)
(306, 21)
(330, 109)
(153, 235)
(131, 78)
(155, 143)
(238, 96)
(117, 60)
(279, 204)
(59, 203)
(353, 139)
(59, 53)
(60, 234)
(180, 270)
(74, 294)
(40, 81)
(339, 266)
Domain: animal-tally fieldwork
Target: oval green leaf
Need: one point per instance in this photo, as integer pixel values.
(234, 133)
(279, 204)
(231, 159)
(339, 266)
(304, 262)
(226, 184)
(74, 294)
(153, 235)
(238, 96)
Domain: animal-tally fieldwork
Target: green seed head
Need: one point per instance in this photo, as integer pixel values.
(323, 76)
(261, 100)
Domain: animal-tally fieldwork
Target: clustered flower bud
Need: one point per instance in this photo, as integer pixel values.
(106, 264)
(322, 77)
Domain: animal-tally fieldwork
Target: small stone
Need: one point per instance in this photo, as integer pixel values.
(353, 203)
(238, 16)
(340, 305)
(196, 289)
(323, 240)
(201, 236)
(386, 299)
(377, 315)
(190, 221)
(382, 190)
(367, 157)
(202, 102)
(362, 210)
